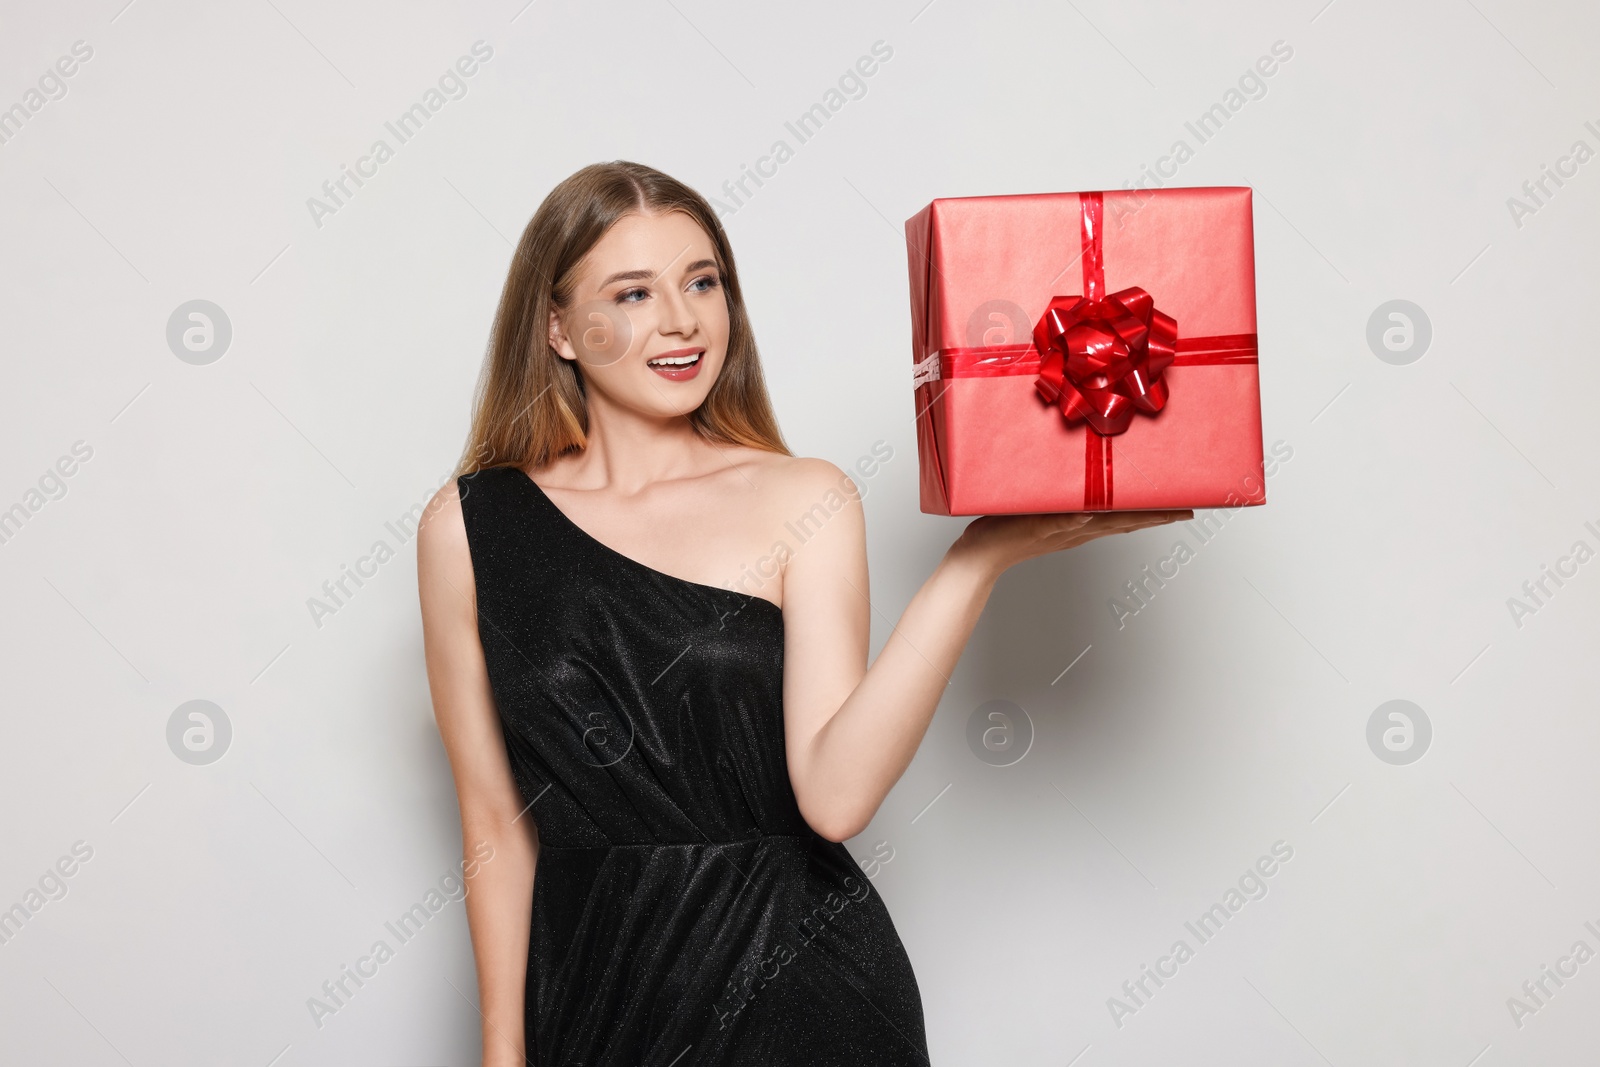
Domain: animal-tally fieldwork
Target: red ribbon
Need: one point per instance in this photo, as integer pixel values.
(1100, 358)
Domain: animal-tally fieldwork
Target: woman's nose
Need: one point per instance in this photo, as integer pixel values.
(677, 316)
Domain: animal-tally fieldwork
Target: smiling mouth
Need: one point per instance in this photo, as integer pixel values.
(687, 359)
(680, 366)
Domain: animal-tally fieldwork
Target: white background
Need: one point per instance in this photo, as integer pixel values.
(1227, 715)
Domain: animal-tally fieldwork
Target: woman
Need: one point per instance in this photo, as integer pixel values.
(678, 740)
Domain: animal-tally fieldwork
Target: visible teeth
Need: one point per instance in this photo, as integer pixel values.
(674, 360)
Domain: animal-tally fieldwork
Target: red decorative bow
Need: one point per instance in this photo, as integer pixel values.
(1102, 360)
(1101, 357)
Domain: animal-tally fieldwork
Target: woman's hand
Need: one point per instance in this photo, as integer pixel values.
(997, 542)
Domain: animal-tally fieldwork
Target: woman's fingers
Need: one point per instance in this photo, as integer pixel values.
(1055, 531)
(1117, 520)
(1103, 524)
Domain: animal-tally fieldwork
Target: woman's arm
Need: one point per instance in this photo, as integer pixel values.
(850, 732)
(499, 894)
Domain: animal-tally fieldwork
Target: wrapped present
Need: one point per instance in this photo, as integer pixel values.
(1086, 352)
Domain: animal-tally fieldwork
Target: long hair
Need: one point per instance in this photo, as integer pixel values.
(529, 405)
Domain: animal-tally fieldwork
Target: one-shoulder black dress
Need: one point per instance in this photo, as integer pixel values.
(683, 911)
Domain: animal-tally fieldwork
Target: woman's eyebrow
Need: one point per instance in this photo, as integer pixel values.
(642, 274)
(628, 276)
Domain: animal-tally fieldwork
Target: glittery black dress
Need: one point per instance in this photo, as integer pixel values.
(684, 913)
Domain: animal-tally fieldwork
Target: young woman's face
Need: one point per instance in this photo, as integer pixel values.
(648, 324)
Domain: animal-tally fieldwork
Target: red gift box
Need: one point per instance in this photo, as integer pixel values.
(1086, 352)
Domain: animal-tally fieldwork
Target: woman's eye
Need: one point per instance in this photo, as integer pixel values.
(710, 283)
(626, 295)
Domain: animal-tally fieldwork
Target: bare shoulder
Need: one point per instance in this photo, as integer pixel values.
(813, 509)
(442, 536)
(796, 486)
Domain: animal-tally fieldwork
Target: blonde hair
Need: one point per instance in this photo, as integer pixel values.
(529, 406)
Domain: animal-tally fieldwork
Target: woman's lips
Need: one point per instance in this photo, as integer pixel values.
(684, 366)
